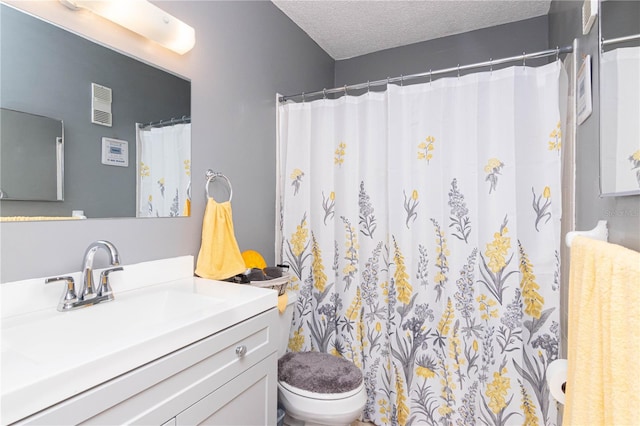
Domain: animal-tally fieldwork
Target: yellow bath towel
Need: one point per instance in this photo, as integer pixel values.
(219, 256)
(603, 378)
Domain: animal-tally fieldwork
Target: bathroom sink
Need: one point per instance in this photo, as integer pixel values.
(50, 356)
(101, 329)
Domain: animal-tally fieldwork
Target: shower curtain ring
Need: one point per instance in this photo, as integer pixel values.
(345, 90)
(430, 76)
(491, 65)
(524, 59)
(368, 86)
(302, 97)
(401, 80)
(324, 93)
(458, 70)
(557, 52)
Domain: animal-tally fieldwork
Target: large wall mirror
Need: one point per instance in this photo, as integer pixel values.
(620, 98)
(133, 161)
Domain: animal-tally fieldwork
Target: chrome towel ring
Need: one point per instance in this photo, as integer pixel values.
(211, 176)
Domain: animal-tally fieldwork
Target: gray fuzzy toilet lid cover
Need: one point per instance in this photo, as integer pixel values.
(318, 372)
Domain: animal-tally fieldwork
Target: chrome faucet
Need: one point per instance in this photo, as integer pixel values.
(87, 290)
(87, 294)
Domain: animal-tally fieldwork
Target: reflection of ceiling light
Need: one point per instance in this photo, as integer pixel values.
(143, 18)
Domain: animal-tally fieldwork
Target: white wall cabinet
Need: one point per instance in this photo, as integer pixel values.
(212, 381)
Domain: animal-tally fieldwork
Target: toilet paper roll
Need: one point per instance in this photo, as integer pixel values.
(556, 378)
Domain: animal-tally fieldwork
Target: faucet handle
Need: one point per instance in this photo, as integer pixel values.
(104, 289)
(69, 297)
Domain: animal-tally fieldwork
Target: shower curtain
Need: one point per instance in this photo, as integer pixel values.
(164, 171)
(422, 227)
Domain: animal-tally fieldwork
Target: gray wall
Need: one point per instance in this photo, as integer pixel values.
(476, 46)
(622, 213)
(48, 71)
(245, 53)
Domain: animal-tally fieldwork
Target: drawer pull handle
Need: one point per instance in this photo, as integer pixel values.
(241, 350)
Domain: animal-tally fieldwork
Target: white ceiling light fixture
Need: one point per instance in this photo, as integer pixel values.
(144, 18)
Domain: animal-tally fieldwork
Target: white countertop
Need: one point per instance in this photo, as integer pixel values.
(48, 356)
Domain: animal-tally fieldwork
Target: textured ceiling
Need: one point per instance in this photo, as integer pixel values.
(349, 28)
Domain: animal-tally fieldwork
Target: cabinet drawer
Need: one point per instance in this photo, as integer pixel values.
(228, 405)
(156, 392)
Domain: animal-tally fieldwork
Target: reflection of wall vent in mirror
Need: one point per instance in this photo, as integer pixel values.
(101, 105)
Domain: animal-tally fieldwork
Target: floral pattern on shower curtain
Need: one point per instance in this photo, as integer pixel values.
(422, 228)
(164, 171)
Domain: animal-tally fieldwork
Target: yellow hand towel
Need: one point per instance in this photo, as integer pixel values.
(187, 208)
(282, 302)
(603, 386)
(219, 256)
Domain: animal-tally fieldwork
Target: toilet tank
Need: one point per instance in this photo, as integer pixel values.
(284, 323)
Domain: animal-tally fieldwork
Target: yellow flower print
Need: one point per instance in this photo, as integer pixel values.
(493, 168)
(319, 277)
(541, 205)
(528, 408)
(187, 167)
(495, 262)
(497, 250)
(533, 301)
(497, 391)
(410, 205)
(485, 305)
(296, 248)
(299, 238)
(296, 180)
(297, 341)
(145, 171)
(401, 401)
(328, 204)
(403, 286)
(447, 317)
(426, 367)
(475, 345)
(340, 153)
(426, 148)
(556, 139)
(378, 326)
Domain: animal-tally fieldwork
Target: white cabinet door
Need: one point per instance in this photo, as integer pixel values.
(248, 400)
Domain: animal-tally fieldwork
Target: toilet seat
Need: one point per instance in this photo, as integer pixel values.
(319, 373)
(322, 396)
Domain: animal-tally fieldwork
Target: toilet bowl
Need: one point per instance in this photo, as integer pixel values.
(317, 388)
(310, 408)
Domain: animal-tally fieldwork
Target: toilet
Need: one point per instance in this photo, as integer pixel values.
(316, 388)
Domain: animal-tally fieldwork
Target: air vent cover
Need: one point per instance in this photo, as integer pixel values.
(101, 105)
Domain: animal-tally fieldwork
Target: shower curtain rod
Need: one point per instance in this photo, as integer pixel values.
(604, 42)
(491, 62)
(164, 123)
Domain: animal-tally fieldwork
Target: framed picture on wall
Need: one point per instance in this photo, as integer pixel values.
(583, 91)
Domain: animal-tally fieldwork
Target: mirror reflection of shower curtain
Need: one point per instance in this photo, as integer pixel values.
(619, 125)
(164, 171)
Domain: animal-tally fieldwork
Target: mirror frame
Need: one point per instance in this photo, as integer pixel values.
(601, 39)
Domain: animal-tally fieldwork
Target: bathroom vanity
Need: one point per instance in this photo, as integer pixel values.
(170, 349)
